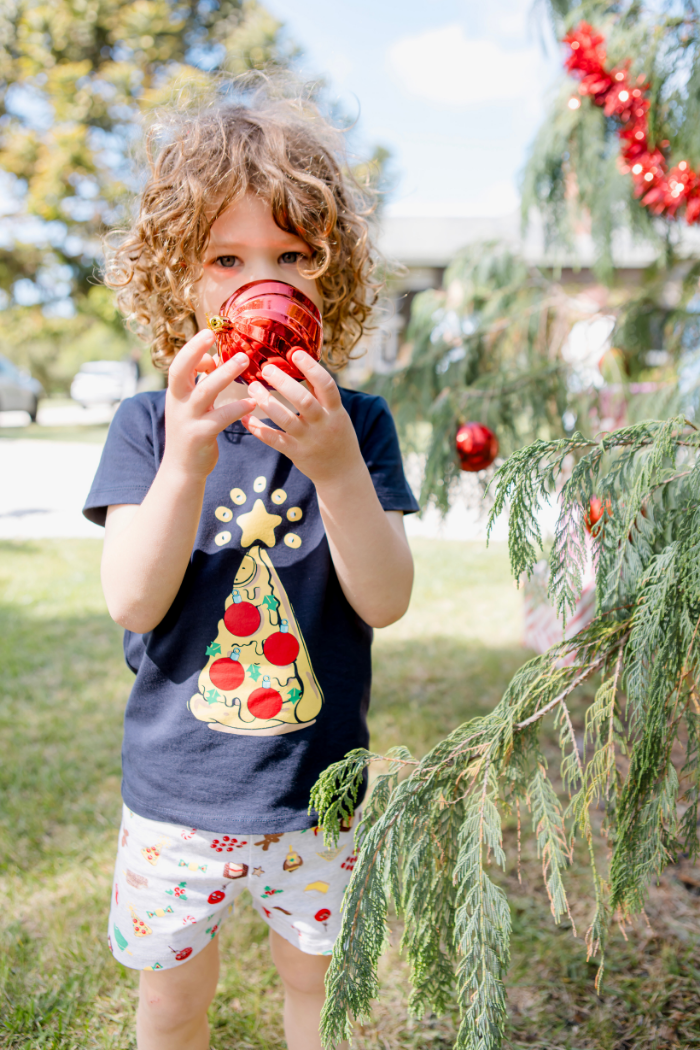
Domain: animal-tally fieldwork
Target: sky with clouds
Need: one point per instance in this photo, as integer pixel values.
(455, 88)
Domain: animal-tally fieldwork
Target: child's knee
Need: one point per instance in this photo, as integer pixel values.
(300, 972)
(172, 1000)
(164, 1012)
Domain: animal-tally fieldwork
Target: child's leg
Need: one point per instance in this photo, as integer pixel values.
(304, 993)
(173, 1004)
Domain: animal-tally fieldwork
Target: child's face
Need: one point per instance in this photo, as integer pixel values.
(245, 245)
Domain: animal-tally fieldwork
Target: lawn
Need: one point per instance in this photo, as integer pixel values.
(64, 686)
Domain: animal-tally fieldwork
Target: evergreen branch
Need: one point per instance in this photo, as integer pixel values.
(548, 823)
(426, 841)
(482, 925)
(476, 392)
(334, 795)
(352, 982)
(586, 673)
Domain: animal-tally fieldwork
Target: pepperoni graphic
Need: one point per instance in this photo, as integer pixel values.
(241, 618)
(227, 673)
(264, 703)
(281, 648)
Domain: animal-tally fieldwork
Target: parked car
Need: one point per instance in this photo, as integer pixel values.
(104, 382)
(18, 391)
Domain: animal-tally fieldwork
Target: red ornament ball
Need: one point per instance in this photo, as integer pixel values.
(216, 896)
(242, 618)
(281, 648)
(268, 320)
(595, 513)
(264, 703)
(322, 915)
(477, 447)
(226, 674)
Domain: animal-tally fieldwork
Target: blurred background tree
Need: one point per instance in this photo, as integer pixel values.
(76, 78)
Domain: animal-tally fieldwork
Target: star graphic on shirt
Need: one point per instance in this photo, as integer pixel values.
(258, 871)
(258, 524)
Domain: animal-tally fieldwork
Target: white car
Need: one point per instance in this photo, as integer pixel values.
(104, 382)
(18, 391)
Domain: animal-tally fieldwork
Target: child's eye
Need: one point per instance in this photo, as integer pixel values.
(291, 257)
(227, 260)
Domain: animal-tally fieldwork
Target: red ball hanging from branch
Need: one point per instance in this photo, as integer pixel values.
(476, 445)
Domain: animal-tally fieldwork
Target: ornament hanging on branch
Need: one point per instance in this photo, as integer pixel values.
(477, 447)
(624, 98)
(596, 509)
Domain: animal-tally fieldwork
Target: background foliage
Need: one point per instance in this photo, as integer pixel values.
(77, 77)
(491, 346)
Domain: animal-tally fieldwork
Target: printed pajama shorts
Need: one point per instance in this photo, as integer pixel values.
(174, 886)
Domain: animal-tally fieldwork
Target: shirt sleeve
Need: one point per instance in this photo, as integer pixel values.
(129, 462)
(379, 444)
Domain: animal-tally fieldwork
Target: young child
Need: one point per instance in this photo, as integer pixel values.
(253, 538)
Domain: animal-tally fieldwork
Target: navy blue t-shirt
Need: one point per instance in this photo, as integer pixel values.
(258, 677)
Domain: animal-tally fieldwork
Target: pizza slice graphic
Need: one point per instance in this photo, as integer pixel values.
(258, 680)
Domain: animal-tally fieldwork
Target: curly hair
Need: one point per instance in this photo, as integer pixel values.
(198, 164)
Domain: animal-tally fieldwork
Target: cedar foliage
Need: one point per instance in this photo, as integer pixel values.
(487, 346)
(573, 170)
(430, 839)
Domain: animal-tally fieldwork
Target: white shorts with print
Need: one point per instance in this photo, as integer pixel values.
(174, 886)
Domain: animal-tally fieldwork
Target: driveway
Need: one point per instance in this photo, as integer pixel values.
(43, 485)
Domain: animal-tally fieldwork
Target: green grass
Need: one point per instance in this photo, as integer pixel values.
(62, 695)
(93, 434)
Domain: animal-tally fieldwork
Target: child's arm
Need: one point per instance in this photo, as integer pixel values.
(368, 544)
(147, 547)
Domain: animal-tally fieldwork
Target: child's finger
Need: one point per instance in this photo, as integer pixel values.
(211, 385)
(276, 439)
(302, 399)
(324, 386)
(181, 374)
(281, 415)
(226, 415)
(207, 364)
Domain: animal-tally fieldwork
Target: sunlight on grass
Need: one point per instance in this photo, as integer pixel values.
(64, 687)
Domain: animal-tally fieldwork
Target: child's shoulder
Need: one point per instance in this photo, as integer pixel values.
(364, 409)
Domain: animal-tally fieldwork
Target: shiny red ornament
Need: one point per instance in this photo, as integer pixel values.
(268, 321)
(596, 508)
(622, 97)
(476, 445)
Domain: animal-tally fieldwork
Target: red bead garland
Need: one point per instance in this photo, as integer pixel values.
(622, 97)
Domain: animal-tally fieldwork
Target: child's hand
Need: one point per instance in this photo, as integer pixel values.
(320, 440)
(192, 424)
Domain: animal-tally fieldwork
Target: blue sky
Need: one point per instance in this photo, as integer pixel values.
(455, 88)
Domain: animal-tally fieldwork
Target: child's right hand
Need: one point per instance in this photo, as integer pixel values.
(192, 424)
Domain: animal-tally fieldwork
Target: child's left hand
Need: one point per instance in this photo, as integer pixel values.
(320, 440)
